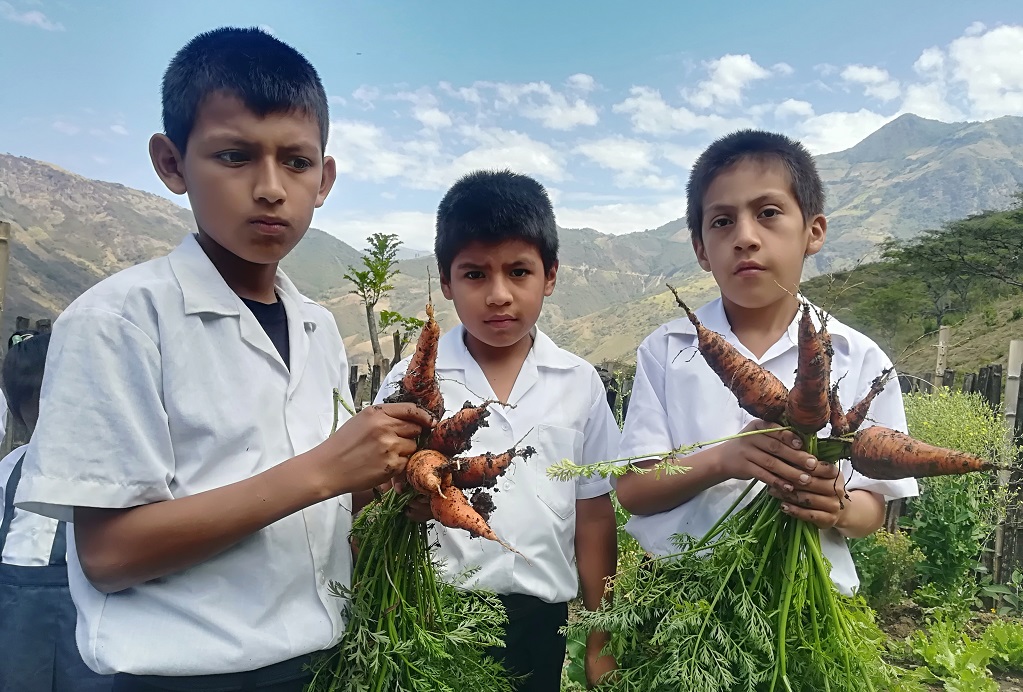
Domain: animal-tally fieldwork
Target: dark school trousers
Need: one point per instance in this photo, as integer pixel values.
(38, 652)
(533, 646)
(287, 676)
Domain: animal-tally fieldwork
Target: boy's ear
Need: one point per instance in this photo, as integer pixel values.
(445, 285)
(701, 253)
(327, 178)
(551, 280)
(818, 232)
(169, 163)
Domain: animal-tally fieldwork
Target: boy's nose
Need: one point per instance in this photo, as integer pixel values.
(269, 185)
(746, 234)
(499, 294)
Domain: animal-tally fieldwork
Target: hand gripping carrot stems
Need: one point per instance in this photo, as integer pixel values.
(406, 630)
(751, 605)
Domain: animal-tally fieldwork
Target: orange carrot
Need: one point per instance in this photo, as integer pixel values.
(453, 435)
(858, 413)
(807, 409)
(886, 454)
(419, 385)
(759, 392)
(485, 469)
(839, 424)
(425, 471)
(455, 512)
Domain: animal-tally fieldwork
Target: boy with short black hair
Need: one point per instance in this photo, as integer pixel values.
(186, 415)
(755, 211)
(37, 629)
(497, 253)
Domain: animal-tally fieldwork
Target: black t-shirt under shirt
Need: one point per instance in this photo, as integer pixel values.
(274, 321)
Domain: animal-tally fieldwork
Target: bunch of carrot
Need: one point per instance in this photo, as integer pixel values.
(751, 605)
(406, 630)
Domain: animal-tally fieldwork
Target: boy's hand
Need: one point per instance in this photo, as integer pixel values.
(371, 447)
(821, 501)
(774, 458)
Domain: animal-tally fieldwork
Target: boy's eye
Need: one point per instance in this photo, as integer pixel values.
(299, 164)
(474, 275)
(520, 272)
(720, 222)
(232, 157)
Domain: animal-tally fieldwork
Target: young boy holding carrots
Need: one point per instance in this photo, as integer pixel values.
(185, 423)
(755, 211)
(497, 254)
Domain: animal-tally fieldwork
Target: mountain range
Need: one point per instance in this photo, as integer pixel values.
(912, 174)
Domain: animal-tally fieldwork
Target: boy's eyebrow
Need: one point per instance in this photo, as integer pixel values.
(769, 196)
(234, 140)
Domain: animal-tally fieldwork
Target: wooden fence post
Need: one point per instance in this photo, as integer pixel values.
(939, 367)
(1014, 390)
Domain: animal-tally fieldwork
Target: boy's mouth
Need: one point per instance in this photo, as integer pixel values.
(499, 321)
(748, 268)
(270, 225)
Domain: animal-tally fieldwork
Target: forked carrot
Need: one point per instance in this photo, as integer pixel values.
(455, 512)
(426, 470)
(807, 409)
(419, 385)
(857, 414)
(453, 435)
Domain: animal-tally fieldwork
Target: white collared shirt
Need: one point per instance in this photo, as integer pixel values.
(561, 411)
(678, 400)
(30, 537)
(161, 384)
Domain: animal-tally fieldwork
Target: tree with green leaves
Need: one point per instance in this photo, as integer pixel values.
(373, 281)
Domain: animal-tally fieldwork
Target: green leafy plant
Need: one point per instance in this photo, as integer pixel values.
(1017, 313)
(1009, 594)
(954, 659)
(954, 516)
(1005, 640)
(886, 564)
(990, 316)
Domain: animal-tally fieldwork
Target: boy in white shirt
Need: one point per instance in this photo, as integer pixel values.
(497, 254)
(187, 408)
(755, 211)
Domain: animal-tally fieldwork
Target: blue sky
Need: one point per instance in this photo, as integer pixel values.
(607, 103)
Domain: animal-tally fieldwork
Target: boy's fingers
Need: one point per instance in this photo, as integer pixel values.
(409, 413)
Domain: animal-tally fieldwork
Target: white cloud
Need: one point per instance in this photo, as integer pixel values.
(581, 82)
(119, 130)
(793, 108)
(364, 152)
(837, 131)
(990, 65)
(366, 95)
(467, 94)
(425, 109)
(499, 148)
(930, 63)
(975, 29)
(619, 154)
(414, 228)
(541, 102)
(66, 128)
(930, 100)
(729, 75)
(876, 82)
(683, 157)
(783, 69)
(622, 217)
(29, 18)
(651, 114)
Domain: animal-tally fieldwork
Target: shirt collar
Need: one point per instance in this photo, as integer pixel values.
(204, 290)
(452, 353)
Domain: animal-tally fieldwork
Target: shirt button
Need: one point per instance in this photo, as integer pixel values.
(509, 484)
(505, 427)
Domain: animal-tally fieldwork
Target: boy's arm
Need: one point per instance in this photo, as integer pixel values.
(121, 548)
(596, 548)
(773, 458)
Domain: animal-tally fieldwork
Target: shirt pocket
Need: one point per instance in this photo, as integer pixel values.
(556, 444)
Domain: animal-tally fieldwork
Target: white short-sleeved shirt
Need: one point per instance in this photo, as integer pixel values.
(30, 536)
(561, 411)
(678, 400)
(161, 384)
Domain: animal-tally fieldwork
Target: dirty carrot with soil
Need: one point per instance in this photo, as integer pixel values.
(886, 454)
(806, 408)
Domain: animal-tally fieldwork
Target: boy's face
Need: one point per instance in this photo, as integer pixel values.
(754, 236)
(498, 290)
(252, 182)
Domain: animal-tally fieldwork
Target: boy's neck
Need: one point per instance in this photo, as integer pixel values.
(758, 329)
(500, 364)
(248, 280)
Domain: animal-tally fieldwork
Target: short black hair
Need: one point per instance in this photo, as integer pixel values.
(755, 145)
(268, 75)
(491, 206)
(23, 372)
